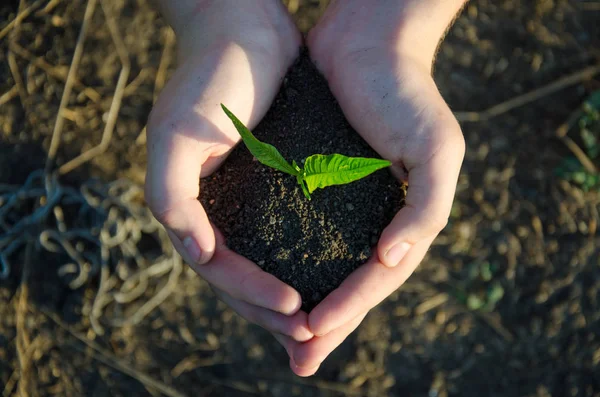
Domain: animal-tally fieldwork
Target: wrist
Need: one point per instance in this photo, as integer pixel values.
(422, 25)
(407, 28)
(199, 24)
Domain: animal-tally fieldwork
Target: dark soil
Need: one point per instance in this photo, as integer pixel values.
(311, 245)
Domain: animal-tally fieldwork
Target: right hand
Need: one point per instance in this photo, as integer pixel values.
(236, 53)
(376, 56)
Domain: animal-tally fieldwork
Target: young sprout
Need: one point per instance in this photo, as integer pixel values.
(319, 170)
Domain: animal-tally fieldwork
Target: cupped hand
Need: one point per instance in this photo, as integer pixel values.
(235, 53)
(387, 93)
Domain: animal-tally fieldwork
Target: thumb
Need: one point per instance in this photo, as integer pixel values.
(431, 189)
(172, 189)
(190, 231)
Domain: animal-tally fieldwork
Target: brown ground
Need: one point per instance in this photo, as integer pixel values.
(506, 304)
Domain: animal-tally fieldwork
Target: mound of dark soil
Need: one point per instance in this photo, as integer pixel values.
(311, 245)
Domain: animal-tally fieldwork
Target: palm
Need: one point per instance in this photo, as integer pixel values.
(188, 111)
(392, 102)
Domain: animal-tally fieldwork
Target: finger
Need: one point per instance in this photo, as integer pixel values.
(295, 326)
(364, 289)
(311, 354)
(188, 137)
(244, 280)
(285, 341)
(302, 371)
(172, 188)
(431, 189)
(289, 345)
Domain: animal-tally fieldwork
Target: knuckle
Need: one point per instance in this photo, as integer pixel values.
(154, 125)
(454, 137)
(431, 221)
(164, 217)
(436, 224)
(457, 140)
(151, 198)
(246, 281)
(253, 317)
(154, 194)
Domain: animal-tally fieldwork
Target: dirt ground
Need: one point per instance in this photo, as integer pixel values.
(507, 303)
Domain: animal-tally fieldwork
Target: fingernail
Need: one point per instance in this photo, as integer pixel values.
(192, 248)
(396, 253)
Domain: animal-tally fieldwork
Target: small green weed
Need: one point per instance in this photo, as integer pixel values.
(587, 121)
(480, 291)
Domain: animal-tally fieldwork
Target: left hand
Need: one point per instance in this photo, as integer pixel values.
(189, 136)
(388, 95)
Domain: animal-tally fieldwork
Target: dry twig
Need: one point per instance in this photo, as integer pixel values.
(48, 7)
(54, 71)
(14, 70)
(20, 17)
(23, 341)
(431, 303)
(9, 95)
(116, 102)
(136, 82)
(35, 345)
(107, 358)
(561, 133)
(579, 153)
(57, 132)
(501, 108)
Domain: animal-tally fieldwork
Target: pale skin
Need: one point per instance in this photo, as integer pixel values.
(376, 56)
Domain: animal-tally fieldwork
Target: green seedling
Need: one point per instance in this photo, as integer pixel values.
(584, 124)
(319, 170)
(480, 289)
(487, 300)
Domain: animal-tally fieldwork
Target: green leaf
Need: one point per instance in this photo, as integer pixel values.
(474, 302)
(495, 293)
(265, 153)
(335, 169)
(593, 100)
(486, 271)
